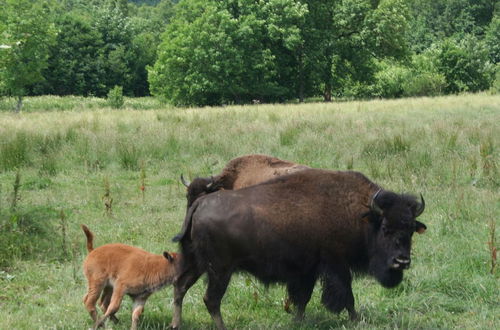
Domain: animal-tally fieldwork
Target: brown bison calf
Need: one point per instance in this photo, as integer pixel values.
(118, 269)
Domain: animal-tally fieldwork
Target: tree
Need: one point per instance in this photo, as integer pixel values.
(26, 34)
(345, 37)
(435, 20)
(147, 23)
(492, 39)
(216, 52)
(74, 65)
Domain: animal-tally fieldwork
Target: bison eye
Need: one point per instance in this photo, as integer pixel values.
(387, 231)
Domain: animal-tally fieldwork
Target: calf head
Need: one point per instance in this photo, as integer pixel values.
(393, 222)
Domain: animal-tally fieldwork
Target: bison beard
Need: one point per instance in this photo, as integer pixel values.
(295, 229)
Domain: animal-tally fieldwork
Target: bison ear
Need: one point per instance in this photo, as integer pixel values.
(168, 256)
(420, 227)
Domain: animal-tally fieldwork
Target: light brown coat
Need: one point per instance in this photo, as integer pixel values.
(113, 270)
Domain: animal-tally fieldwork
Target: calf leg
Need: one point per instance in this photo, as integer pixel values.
(91, 298)
(337, 291)
(299, 293)
(217, 285)
(105, 300)
(114, 305)
(137, 309)
(181, 286)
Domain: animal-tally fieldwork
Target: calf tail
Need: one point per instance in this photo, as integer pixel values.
(187, 222)
(90, 238)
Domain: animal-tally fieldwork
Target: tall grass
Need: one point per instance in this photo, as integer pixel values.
(70, 157)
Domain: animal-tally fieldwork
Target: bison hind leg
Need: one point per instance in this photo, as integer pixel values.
(217, 285)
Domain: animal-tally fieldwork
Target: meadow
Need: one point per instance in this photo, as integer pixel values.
(67, 161)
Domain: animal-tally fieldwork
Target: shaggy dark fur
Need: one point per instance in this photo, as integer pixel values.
(295, 229)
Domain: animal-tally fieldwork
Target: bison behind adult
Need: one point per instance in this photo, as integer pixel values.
(241, 172)
(295, 229)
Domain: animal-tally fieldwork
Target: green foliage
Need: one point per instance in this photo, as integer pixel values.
(219, 51)
(420, 77)
(434, 20)
(390, 79)
(101, 44)
(75, 64)
(226, 52)
(115, 97)
(464, 65)
(424, 84)
(492, 39)
(27, 32)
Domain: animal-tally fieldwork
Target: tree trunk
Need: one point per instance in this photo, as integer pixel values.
(19, 104)
(301, 75)
(327, 93)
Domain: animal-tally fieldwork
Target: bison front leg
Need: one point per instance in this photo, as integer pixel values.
(217, 285)
(337, 291)
(299, 292)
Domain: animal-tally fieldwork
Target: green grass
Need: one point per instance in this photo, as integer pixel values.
(66, 149)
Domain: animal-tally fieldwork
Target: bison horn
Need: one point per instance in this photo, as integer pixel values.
(421, 207)
(209, 185)
(373, 205)
(184, 182)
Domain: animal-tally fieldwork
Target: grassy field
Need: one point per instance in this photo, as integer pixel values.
(63, 159)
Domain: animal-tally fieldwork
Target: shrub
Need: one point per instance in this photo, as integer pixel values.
(115, 97)
(390, 80)
(465, 65)
(424, 84)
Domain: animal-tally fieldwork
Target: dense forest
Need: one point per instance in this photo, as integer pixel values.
(208, 52)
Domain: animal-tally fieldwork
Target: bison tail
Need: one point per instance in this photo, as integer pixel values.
(90, 238)
(187, 222)
(178, 237)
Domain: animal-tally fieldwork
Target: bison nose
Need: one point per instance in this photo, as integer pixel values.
(401, 262)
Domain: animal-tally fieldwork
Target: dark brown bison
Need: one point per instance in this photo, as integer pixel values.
(295, 229)
(239, 173)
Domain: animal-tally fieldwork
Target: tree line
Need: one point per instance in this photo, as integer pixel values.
(210, 52)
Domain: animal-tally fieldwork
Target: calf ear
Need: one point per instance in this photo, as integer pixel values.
(168, 256)
(420, 227)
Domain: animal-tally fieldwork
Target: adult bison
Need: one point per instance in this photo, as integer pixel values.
(295, 229)
(239, 173)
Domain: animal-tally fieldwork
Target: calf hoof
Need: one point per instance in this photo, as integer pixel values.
(288, 306)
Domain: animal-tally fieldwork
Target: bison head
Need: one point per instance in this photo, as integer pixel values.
(198, 187)
(393, 222)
